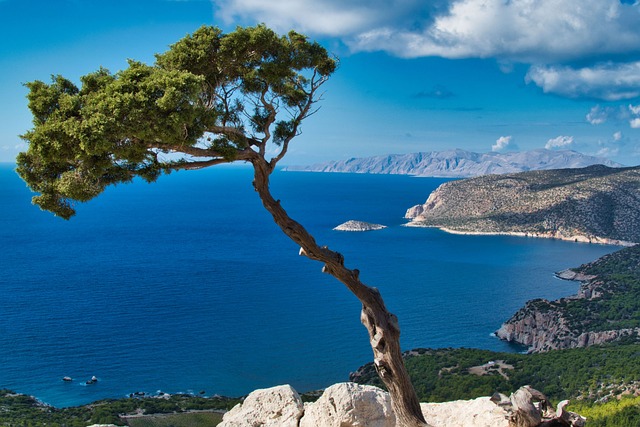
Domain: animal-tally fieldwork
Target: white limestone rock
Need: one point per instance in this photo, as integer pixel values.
(279, 406)
(350, 405)
(480, 412)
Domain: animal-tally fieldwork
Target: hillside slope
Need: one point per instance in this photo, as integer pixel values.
(594, 204)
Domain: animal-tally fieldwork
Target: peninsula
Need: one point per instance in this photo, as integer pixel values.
(595, 204)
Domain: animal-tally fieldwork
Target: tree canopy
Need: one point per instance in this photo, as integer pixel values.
(211, 98)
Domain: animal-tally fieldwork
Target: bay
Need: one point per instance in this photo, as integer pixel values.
(187, 284)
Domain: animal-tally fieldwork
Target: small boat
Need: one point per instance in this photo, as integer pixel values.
(93, 380)
(67, 379)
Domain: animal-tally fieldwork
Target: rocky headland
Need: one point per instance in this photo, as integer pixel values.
(458, 163)
(606, 308)
(596, 204)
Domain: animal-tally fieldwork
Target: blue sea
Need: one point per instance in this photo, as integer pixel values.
(186, 285)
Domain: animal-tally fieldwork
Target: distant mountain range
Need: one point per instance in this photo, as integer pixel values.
(459, 163)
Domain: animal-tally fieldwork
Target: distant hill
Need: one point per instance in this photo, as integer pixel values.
(459, 163)
(596, 204)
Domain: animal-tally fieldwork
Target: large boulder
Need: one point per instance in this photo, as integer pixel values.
(350, 405)
(279, 406)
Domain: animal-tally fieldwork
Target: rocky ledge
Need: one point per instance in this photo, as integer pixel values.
(351, 405)
(353, 225)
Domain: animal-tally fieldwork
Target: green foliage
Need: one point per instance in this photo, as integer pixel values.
(18, 410)
(618, 283)
(624, 412)
(441, 375)
(198, 419)
(209, 99)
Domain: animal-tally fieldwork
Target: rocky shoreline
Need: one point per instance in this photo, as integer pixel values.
(544, 325)
(578, 238)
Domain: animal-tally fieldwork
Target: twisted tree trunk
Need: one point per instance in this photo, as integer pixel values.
(384, 332)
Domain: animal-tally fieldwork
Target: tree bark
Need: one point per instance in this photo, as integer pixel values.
(384, 332)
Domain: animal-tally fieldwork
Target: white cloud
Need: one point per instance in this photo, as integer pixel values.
(522, 30)
(322, 17)
(598, 115)
(612, 147)
(535, 31)
(503, 143)
(538, 32)
(559, 142)
(610, 82)
(634, 122)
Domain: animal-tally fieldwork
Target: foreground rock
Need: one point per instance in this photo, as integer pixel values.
(353, 225)
(350, 404)
(279, 406)
(354, 405)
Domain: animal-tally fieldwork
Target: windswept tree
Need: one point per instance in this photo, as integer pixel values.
(212, 98)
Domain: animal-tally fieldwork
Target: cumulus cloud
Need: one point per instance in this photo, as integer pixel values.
(340, 18)
(612, 147)
(620, 114)
(597, 115)
(503, 143)
(537, 32)
(609, 82)
(559, 143)
(634, 122)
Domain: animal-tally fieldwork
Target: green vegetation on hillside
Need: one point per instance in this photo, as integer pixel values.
(614, 296)
(25, 411)
(600, 381)
(447, 374)
(192, 419)
(624, 412)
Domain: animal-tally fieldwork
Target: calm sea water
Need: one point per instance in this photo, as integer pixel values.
(187, 285)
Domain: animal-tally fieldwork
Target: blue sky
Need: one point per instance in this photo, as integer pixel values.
(482, 75)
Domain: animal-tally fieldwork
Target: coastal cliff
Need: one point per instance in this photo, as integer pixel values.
(594, 204)
(605, 309)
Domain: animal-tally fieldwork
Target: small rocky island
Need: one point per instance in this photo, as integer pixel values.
(353, 225)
